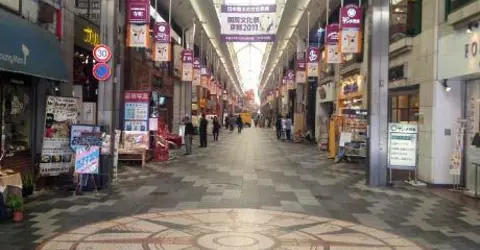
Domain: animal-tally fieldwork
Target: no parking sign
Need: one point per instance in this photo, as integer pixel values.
(101, 70)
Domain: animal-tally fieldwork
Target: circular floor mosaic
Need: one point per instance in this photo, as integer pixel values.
(245, 229)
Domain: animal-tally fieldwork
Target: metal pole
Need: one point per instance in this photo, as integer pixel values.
(378, 93)
(169, 12)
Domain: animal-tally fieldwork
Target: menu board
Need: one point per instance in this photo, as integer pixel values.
(402, 146)
(76, 133)
(56, 157)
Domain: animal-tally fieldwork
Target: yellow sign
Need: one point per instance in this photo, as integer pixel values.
(90, 36)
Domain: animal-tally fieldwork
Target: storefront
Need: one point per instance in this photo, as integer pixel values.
(350, 92)
(459, 109)
(31, 67)
(86, 37)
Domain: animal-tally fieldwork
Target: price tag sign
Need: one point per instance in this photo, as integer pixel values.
(102, 53)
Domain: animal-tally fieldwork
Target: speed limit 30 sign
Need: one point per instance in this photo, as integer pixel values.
(102, 53)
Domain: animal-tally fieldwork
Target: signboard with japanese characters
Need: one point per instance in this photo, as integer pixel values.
(205, 76)
(138, 11)
(136, 110)
(187, 65)
(61, 113)
(332, 47)
(197, 72)
(248, 23)
(313, 57)
(350, 29)
(87, 160)
(301, 74)
(290, 80)
(161, 36)
(402, 146)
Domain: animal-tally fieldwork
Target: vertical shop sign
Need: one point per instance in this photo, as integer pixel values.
(242, 23)
(205, 76)
(138, 11)
(56, 157)
(350, 29)
(331, 44)
(301, 75)
(187, 65)
(312, 61)
(290, 80)
(138, 36)
(136, 110)
(161, 36)
(197, 72)
(402, 146)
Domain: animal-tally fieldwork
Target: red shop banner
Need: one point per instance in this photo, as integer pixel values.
(137, 96)
(138, 11)
(351, 29)
(332, 47)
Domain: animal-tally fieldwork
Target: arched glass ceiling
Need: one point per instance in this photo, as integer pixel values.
(248, 57)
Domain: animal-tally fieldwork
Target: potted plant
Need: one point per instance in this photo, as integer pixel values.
(15, 202)
(27, 184)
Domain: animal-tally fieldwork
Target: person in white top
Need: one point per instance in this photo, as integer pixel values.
(288, 127)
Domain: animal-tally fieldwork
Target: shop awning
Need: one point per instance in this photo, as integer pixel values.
(28, 49)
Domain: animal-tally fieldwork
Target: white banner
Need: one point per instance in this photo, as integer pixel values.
(138, 36)
(252, 23)
(161, 52)
(196, 77)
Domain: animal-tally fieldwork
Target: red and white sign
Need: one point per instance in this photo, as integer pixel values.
(137, 96)
(313, 57)
(101, 71)
(332, 48)
(102, 53)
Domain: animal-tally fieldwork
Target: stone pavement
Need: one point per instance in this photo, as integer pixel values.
(235, 195)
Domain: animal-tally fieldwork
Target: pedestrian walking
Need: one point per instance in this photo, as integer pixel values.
(203, 131)
(278, 126)
(216, 129)
(239, 124)
(227, 122)
(232, 121)
(288, 127)
(188, 136)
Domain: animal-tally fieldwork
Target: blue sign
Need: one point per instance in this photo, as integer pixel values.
(101, 71)
(87, 160)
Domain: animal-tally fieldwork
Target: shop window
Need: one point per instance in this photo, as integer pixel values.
(406, 19)
(453, 5)
(404, 108)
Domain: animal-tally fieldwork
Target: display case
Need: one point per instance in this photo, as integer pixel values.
(356, 125)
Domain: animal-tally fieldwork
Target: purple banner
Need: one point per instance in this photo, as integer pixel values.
(138, 11)
(290, 75)
(162, 32)
(313, 55)
(351, 16)
(187, 56)
(196, 63)
(301, 65)
(249, 9)
(248, 38)
(332, 33)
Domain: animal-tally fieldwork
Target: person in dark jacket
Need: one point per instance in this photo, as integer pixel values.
(239, 124)
(278, 126)
(216, 128)
(203, 131)
(188, 136)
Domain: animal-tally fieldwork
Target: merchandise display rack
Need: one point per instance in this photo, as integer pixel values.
(355, 122)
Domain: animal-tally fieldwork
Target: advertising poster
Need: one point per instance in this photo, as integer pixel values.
(187, 65)
(254, 23)
(332, 47)
(301, 74)
(402, 146)
(76, 133)
(56, 157)
(350, 29)
(138, 36)
(197, 72)
(161, 36)
(136, 110)
(87, 160)
(313, 57)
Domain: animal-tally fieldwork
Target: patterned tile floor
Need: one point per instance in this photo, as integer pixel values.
(247, 191)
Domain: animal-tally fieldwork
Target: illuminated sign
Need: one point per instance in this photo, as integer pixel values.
(90, 36)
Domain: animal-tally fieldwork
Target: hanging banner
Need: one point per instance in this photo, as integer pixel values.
(60, 114)
(290, 80)
(161, 36)
(213, 88)
(205, 76)
(313, 56)
(138, 35)
(197, 72)
(301, 74)
(331, 44)
(187, 65)
(138, 11)
(248, 23)
(350, 29)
